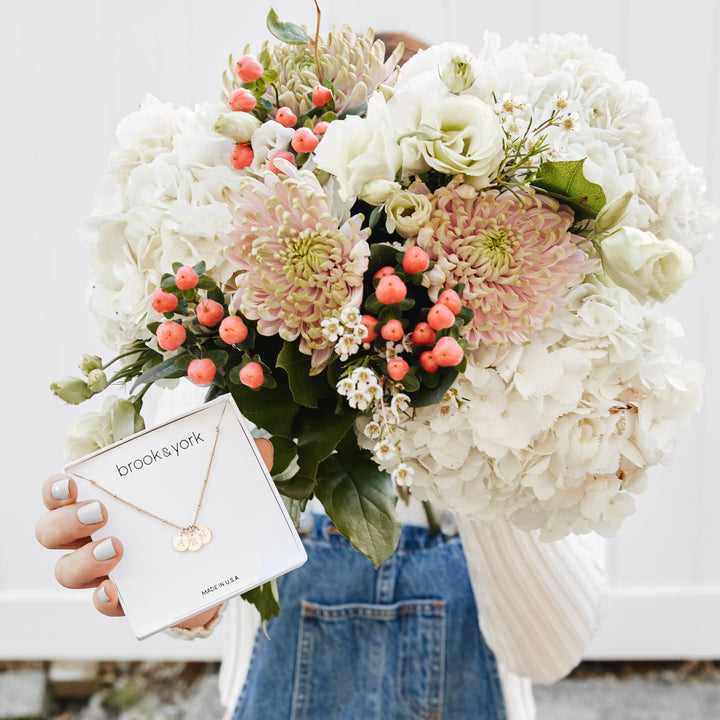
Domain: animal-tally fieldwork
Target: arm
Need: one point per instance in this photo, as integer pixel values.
(539, 603)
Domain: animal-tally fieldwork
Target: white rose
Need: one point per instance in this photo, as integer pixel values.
(467, 138)
(407, 212)
(651, 269)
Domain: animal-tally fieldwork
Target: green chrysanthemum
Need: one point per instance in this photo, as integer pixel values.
(354, 65)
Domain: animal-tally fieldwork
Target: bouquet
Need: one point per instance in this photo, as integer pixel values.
(440, 280)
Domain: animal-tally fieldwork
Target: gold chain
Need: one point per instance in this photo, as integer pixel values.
(153, 515)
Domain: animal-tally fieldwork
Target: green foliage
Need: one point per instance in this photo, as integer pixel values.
(265, 599)
(565, 181)
(359, 499)
(307, 389)
(286, 32)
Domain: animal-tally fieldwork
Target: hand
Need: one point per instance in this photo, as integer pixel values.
(68, 525)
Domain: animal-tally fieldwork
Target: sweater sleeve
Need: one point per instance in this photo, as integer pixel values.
(539, 603)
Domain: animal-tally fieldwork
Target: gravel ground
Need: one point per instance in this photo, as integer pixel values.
(595, 691)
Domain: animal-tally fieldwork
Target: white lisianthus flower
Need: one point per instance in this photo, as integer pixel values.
(357, 151)
(117, 420)
(238, 126)
(376, 192)
(465, 137)
(458, 73)
(268, 139)
(406, 212)
(651, 269)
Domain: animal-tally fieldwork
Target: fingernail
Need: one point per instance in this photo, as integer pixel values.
(61, 489)
(102, 595)
(104, 550)
(90, 514)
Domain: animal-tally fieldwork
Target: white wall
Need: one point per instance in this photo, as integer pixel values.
(70, 70)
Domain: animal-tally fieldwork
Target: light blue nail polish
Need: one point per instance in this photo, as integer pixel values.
(60, 490)
(90, 514)
(104, 550)
(102, 595)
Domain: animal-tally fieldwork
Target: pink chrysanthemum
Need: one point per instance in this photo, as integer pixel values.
(514, 254)
(299, 266)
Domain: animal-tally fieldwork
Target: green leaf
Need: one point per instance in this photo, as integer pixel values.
(375, 216)
(206, 283)
(199, 268)
(565, 181)
(297, 487)
(306, 389)
(264, 598)
(264, 58)
(272, 409)
(358, 498)
(432, 395)
(270, 75)
(285, 31)
(284, 451)
(219, 357)
(318, 434)
(165, 369)
(168, 284)
(215, 294)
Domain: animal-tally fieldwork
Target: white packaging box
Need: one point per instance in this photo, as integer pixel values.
(162, 470)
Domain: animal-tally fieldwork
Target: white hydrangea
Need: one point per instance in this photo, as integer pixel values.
(557, 434)
(160, 202)
(613, 123)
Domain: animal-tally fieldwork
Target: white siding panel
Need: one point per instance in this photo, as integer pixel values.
(71, 70)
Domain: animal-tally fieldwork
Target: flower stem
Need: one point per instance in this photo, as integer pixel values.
(433, 526)
(317, 40)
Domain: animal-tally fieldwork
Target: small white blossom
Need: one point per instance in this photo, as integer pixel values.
(350, 316)
(384, 451)
(372, 430)
(331, 329)
(570, 122)
(358, 399)
(346, 346)
(402, 475)
(345, 386)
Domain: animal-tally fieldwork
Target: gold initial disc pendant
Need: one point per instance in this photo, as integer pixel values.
(192, 539)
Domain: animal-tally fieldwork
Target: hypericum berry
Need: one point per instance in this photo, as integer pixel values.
(321, 127)
(321, 95)
(304, 140)
(369, 322)
(242, 100)
(201, 371)
(423, 334)
(163, 302)
(383, 271)
(252, 375)
(286, 117)
(242, 156)
(440, 317)
(248, 68)
(233, 330)
(397, 368)
(391, 289)
(186, 278)
(415, 260)
(447, 352)
(451, 299)
(284, 155)
(209, 312)
(170, 335)
(428, 361)
(392, 330)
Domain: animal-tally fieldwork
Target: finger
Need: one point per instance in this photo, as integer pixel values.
(265, 447)
(89, 565)
(58, 491)
(69, 527)
(107, 600)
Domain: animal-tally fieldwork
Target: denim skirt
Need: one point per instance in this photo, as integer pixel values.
(400, 642)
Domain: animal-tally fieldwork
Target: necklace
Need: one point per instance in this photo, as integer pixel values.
(191, 537)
